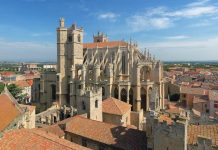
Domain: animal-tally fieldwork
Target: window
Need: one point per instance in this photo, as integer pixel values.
(79, 38)
(84, 142)
(57, 77)
(70, 39)
(215, 105)
(115, 93)
(123, 63)
(103, 92)
(83, 105)
(96, 103)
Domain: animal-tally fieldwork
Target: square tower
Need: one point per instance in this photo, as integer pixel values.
(69, 53)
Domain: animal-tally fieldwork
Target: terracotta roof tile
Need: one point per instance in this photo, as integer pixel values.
(190, 90)
(54, 129)
(209, 131)
(110, 134)
(104, 44)
(8, 111)
(115, 106)
(34, 139)
(166, 118)
(22, 83)
(201, 99)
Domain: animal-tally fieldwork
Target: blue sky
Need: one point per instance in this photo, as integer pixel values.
(171, 29)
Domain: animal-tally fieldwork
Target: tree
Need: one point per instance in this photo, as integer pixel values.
(1, 87)
(16, 92)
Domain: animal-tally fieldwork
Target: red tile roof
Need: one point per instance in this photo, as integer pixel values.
(8, 111)
(201, 99)
(117, 136)
(190, 90)
(7, 73)
(22, 83)
(209, 131)
(30, 82)
(165, 118)
(104, 44)
(34, 139)
(54, 129)
(114, 106)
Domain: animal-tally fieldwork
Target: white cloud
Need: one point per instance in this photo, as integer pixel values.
(193, 12)
(177, 37)
(140, 23)
(198, 3)
(163, 17)
(108, 15)
(204, 49)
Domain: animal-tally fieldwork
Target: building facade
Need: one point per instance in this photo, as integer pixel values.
(88, 73)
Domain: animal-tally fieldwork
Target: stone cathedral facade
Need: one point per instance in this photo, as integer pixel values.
(88, 73)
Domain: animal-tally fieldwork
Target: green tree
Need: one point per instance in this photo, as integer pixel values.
(1, 87)
(16, 92)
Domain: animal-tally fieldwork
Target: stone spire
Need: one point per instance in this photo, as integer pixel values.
(62, 22)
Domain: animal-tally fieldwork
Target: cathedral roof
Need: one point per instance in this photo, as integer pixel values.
(117, 136)
(35, 139)
(114, 106)
(9, 109)
(104, 44)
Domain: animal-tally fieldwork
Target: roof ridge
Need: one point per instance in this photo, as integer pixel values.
(50, 139)
(79, 116)
(12, 99)
(116, 101)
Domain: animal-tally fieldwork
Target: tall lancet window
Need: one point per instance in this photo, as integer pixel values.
(79, 38)
(123, 63)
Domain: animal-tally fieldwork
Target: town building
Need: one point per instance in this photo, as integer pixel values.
(98, 135)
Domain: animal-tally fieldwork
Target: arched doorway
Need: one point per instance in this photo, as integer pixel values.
(143, 99)
(116, 93)
(123, 95)
(131, 97)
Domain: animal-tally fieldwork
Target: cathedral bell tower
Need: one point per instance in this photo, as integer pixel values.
(69, 54)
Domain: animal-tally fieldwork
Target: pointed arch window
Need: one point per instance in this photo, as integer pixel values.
(79, 38)
(123, 63)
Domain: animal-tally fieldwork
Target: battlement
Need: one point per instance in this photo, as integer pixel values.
(166, 122)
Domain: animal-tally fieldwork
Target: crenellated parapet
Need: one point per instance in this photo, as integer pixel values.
(166, 131)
